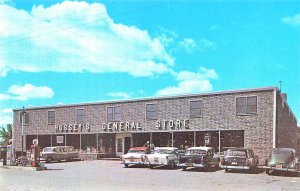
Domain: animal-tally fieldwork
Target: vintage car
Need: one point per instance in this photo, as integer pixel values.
(163, 156)
(59, 153)
(134, 156)
(282, 159)
(239, 158)
(199, 157)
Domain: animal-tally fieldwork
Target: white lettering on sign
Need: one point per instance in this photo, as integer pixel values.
(72, 128)
(122, 126)
(173, 124)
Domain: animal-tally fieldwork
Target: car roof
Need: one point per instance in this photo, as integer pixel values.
(285, 149)
(200, 148)
(138, 148)
(168, 148)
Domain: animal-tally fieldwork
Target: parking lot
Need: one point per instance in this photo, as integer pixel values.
(110, 175)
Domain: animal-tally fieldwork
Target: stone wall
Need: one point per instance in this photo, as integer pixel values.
(219, 112)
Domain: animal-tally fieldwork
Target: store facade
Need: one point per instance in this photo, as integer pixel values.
(242, 118)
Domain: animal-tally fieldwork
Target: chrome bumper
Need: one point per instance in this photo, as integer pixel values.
(235, 167)
(280, 169)
(191, 165)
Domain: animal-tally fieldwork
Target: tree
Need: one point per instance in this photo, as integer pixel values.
(5, 134)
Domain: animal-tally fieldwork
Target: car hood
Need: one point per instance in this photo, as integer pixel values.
(133, 155)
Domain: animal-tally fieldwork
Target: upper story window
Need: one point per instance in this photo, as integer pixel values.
(113, 113)
(26, 118)
(246, 105)
(196, 108)
(51, 117)
(151, 111)
(80, 115)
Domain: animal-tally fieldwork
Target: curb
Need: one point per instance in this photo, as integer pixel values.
(24, 168)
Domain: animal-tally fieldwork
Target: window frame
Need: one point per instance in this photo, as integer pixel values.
(26, 116)
(246, 106)
(53, 117)
(201, 108)
(113, 114)
(146, 112)
(77, 116)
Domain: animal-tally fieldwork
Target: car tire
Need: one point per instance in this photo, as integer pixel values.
(49, 159)
(151, 166)
(126, 165)
(184, 168)
(268, 172)
(172, 165)
(226, 170)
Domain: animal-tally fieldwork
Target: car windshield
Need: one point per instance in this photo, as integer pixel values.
(195, 152)
(137, 151)
(164, 151)
(238, 153)
(47, 149)
(282, 152)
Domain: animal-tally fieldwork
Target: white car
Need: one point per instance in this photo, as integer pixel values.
(163, 156)
(135, 156)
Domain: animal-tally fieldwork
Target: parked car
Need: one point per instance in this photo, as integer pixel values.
(199, 157)
(239, 158)
(163, 156)
(135, 156)
(282, 159)
(59, 153)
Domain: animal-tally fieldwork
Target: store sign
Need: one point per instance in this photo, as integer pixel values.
(73, 128)
(59, 139)
(173, 124)
(121, 126)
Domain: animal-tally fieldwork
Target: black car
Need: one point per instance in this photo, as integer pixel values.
(199, 157)
(239, 158)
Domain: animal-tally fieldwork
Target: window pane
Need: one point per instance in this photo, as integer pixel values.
(151, 107)
(252, 109)
(241, 101)
(117, 109)
(51, 116)
(196, 108)
(196, 104)
(252, 101)
(80, 115)
(117, 117)
(109, 117)
(151, 114)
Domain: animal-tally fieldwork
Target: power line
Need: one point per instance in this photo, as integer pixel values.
(79, 25)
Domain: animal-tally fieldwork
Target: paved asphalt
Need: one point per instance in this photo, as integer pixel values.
(110, 175)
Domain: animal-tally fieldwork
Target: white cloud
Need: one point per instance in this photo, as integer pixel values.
(191, 82)
(6, 116)
(119, 94)
(28, 91)
(93, 42)
(293, 20)
(206, 44)
(188, 44)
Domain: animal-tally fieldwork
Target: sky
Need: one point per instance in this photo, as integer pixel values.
(56, 52)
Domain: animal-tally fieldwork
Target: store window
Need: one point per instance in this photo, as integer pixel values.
(80, 115)
(26, 118)
(246, 105)
(196, 108)
(113, 113)
(120, 145)
(51, 117)
(151, 111)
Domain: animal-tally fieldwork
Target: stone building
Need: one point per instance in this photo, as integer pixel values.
(254, 118)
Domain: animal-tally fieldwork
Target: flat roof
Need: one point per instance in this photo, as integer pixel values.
(156, 98)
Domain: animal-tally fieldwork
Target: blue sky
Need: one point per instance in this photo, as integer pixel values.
(61, 52)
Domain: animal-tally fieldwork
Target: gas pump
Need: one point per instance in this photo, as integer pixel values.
(11, 155)
(35, 153)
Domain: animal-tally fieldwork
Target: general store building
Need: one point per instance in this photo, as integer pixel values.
(257, 118)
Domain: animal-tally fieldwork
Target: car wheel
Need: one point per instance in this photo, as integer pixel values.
(268, 172)
(184, 168)
(126, 165)
(172, 165)
(49, 159)
(151, 166)
(226, 170)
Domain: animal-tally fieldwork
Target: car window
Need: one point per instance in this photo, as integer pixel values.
(164, 151)
(195, 152)
(239, 153)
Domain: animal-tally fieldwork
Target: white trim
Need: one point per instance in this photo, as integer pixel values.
(274, 119)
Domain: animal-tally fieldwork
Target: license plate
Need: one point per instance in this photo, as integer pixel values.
(189, 164)
(278, 166)
(234, 163)
(131, 160)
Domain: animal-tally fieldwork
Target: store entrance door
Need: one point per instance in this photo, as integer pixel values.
(123, 143)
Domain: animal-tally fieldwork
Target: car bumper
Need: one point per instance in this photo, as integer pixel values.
(191, 165)
(134, 163)
(235, 167)
(280, 169)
